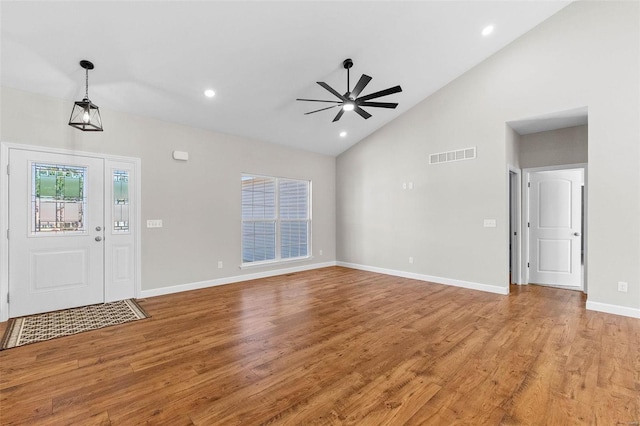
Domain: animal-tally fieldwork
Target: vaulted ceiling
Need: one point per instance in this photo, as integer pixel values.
(155, 59)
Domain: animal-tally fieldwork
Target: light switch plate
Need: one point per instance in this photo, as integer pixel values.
(489, 223)
(154, 223)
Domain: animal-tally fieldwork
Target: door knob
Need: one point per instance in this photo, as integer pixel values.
(577, 234)
(98, 238)
(98, 228)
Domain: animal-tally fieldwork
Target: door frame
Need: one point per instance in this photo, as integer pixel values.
(515, 212)
(525, 216)
(4, 212)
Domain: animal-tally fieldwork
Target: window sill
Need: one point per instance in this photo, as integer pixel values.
(274, 262)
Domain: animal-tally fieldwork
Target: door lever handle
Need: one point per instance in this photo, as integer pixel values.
(577, 234)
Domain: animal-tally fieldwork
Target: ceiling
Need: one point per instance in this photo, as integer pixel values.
(155, 59)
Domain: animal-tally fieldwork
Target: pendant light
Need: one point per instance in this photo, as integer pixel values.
(85, 115)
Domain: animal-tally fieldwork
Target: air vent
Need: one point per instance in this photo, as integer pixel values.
(457, 155)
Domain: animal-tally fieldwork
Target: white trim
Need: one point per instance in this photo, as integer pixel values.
(430, 278)
(285, 261)
(4, 211)
(613, 309)
(229, 280)
(4, 225)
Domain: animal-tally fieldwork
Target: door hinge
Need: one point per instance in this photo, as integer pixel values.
(515, 233)
(528, 184)
(7, 297)
(7, 233)
(528, 224)
(7, 169)
(528, 266)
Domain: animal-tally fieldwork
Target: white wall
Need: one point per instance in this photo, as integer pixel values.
(587, 55)
(512, 146)
(554, 147)
(198, 200)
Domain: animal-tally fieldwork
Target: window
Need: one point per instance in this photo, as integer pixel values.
(276, 219)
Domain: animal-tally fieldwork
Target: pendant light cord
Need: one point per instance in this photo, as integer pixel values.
(86, 93)
(348, 80)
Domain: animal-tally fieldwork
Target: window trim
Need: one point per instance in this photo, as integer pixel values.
(278, 259)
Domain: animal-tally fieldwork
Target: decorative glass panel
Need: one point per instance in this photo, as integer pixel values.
(58, 199)
(120, 201)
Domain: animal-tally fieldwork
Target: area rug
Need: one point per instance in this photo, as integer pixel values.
(47, 326)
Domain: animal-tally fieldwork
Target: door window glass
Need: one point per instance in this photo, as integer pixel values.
(120, 201)
(58, 200)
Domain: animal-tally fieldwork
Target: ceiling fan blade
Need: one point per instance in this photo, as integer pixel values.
(318, 100)
(378, 104)
(321, 109)
(381, 93)
(332, 90)
(362, 83)
(364, 114)
(339, 115)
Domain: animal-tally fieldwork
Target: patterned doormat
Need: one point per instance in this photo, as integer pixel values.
(47, 326)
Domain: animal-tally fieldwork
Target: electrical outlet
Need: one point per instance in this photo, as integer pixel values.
(623, 286)
(410, 259)
(320, 252)
(404, 185)
(410, 185)
(219, 264)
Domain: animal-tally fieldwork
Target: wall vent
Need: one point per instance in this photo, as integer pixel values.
(457, 155)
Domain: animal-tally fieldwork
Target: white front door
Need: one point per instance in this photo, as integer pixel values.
(555, 225)
(56, 223)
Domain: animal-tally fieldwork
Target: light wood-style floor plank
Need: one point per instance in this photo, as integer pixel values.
(336, 346)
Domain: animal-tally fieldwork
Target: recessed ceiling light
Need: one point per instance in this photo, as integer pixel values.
(487, 30)
(343, 134)
(209, 93)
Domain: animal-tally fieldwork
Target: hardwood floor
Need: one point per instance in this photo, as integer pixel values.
(337, 346)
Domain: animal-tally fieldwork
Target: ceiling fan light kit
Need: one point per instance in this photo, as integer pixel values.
(85, 115)
(349, 101)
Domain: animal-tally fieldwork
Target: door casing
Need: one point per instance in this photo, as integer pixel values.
(515, 214)
(133, 163)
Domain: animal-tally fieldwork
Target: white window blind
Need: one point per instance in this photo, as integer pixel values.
(275, 219)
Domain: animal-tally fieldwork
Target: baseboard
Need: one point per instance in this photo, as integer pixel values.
(613, 309)
(429, 278)
(229, 280)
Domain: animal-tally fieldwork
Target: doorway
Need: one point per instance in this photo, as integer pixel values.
(72, 223)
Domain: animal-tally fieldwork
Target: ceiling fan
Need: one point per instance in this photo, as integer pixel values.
(350, 100)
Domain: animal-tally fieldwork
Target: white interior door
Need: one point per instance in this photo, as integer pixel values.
(56, 247)
(555, 225)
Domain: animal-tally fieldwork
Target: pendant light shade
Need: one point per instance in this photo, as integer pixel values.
(85, 115)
